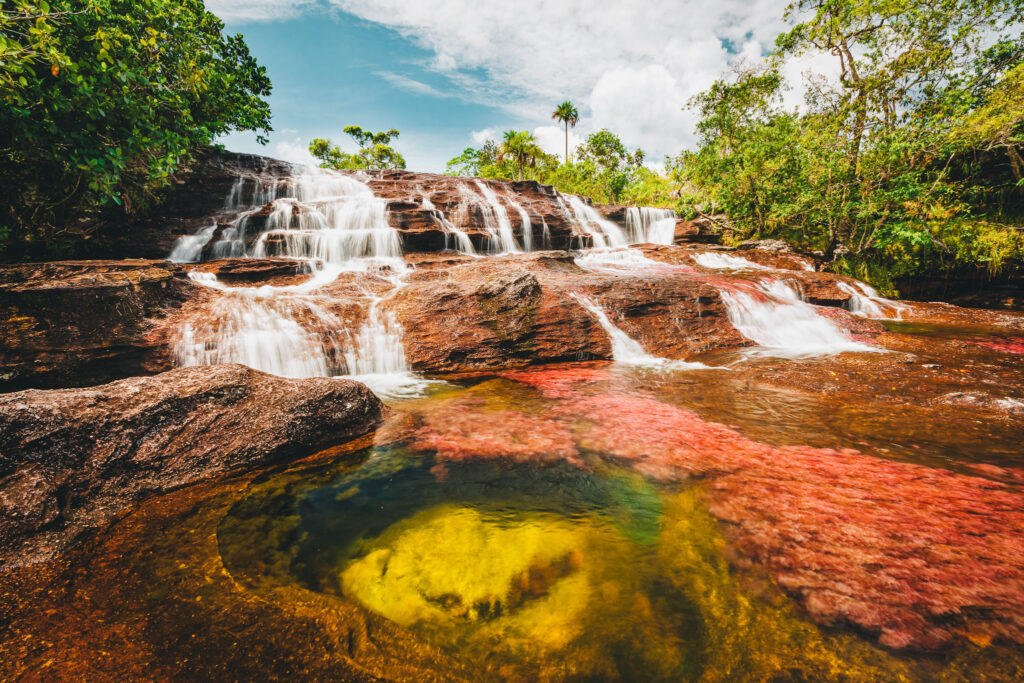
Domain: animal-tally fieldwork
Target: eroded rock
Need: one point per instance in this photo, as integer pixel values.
(71, 460)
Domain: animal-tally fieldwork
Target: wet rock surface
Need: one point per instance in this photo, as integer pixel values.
(71, 460)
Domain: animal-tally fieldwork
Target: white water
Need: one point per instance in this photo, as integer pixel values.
(461, 240)
(623, 261)
(646, 224)
(625, 349)
(602, 231)
(716, 261)
(496, 222)
(777, 319)
(335, 224)
(866, 302)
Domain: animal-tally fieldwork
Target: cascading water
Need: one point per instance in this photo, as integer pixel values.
(716, 261)
(625, 349)
(496, 221)
(773, 315)
(603, 232)
(335, 224)
(461, 240)
(868, 303)
(646, 224)
(625, 261)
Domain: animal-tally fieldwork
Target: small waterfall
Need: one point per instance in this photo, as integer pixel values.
(646, 224)
(462, 242)
(602, 231)
(625, 349)
(263, 333)
(189, 248)
(496, 221)
(773, 315)
(375, 355)
(866, 302)
(717, 261)
(527, 228)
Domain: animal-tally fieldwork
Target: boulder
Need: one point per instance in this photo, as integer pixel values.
(71, 460)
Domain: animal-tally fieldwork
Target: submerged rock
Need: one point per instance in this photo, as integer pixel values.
(71, 460)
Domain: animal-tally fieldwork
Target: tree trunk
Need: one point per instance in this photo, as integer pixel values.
(567, 141)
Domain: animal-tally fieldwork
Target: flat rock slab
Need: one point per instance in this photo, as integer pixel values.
(71, 460)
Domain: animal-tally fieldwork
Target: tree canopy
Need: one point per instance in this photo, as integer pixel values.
(375, 151)
(102, 101)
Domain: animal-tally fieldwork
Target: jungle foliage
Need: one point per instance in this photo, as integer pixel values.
(102, 100)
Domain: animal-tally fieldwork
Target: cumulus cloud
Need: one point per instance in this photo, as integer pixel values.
(551, 139)
(481, 136)
(295, 151)
(630, 67)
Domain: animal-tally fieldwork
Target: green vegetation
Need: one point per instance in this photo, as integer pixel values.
(102, 101)
(604, 169)
(374, 152)
(911, 163)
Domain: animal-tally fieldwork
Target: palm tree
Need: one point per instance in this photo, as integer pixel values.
(521, 147)
(567, 113)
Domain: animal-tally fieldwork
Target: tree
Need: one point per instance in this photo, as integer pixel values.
(909, 160)
(103, 100)
(521, 147)
(567, 113)
(374, 153)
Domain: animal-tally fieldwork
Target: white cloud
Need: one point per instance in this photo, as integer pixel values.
(295, 151)
(551, 139)
(482, 136)
(412, 85)
(628, 66)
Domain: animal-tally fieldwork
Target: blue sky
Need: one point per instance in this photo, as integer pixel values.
(451, 73)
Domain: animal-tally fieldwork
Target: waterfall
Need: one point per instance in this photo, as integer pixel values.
(625, 349)
(773, 315)
(264, 333)
(496, 221)
(462, 242)
(602, 231)
(868, 303)
(527, 228)
(646, 224)
(335, 224)
(716, 261)
(189, 248)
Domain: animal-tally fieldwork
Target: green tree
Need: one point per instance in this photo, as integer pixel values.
(375, 151)
(102, 102)
(908, 161)
(521, 147)
(567, 113)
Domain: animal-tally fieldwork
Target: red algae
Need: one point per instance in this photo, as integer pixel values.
(557, 381)
(914, 555)
(1012, 345)
(467, 434)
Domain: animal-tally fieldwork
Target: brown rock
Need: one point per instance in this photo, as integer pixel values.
(70, 323)
(73, 459)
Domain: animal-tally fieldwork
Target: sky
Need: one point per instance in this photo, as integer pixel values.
(449, 74)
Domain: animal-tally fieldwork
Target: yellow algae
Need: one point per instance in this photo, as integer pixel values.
(754, 636)
(456, 563)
